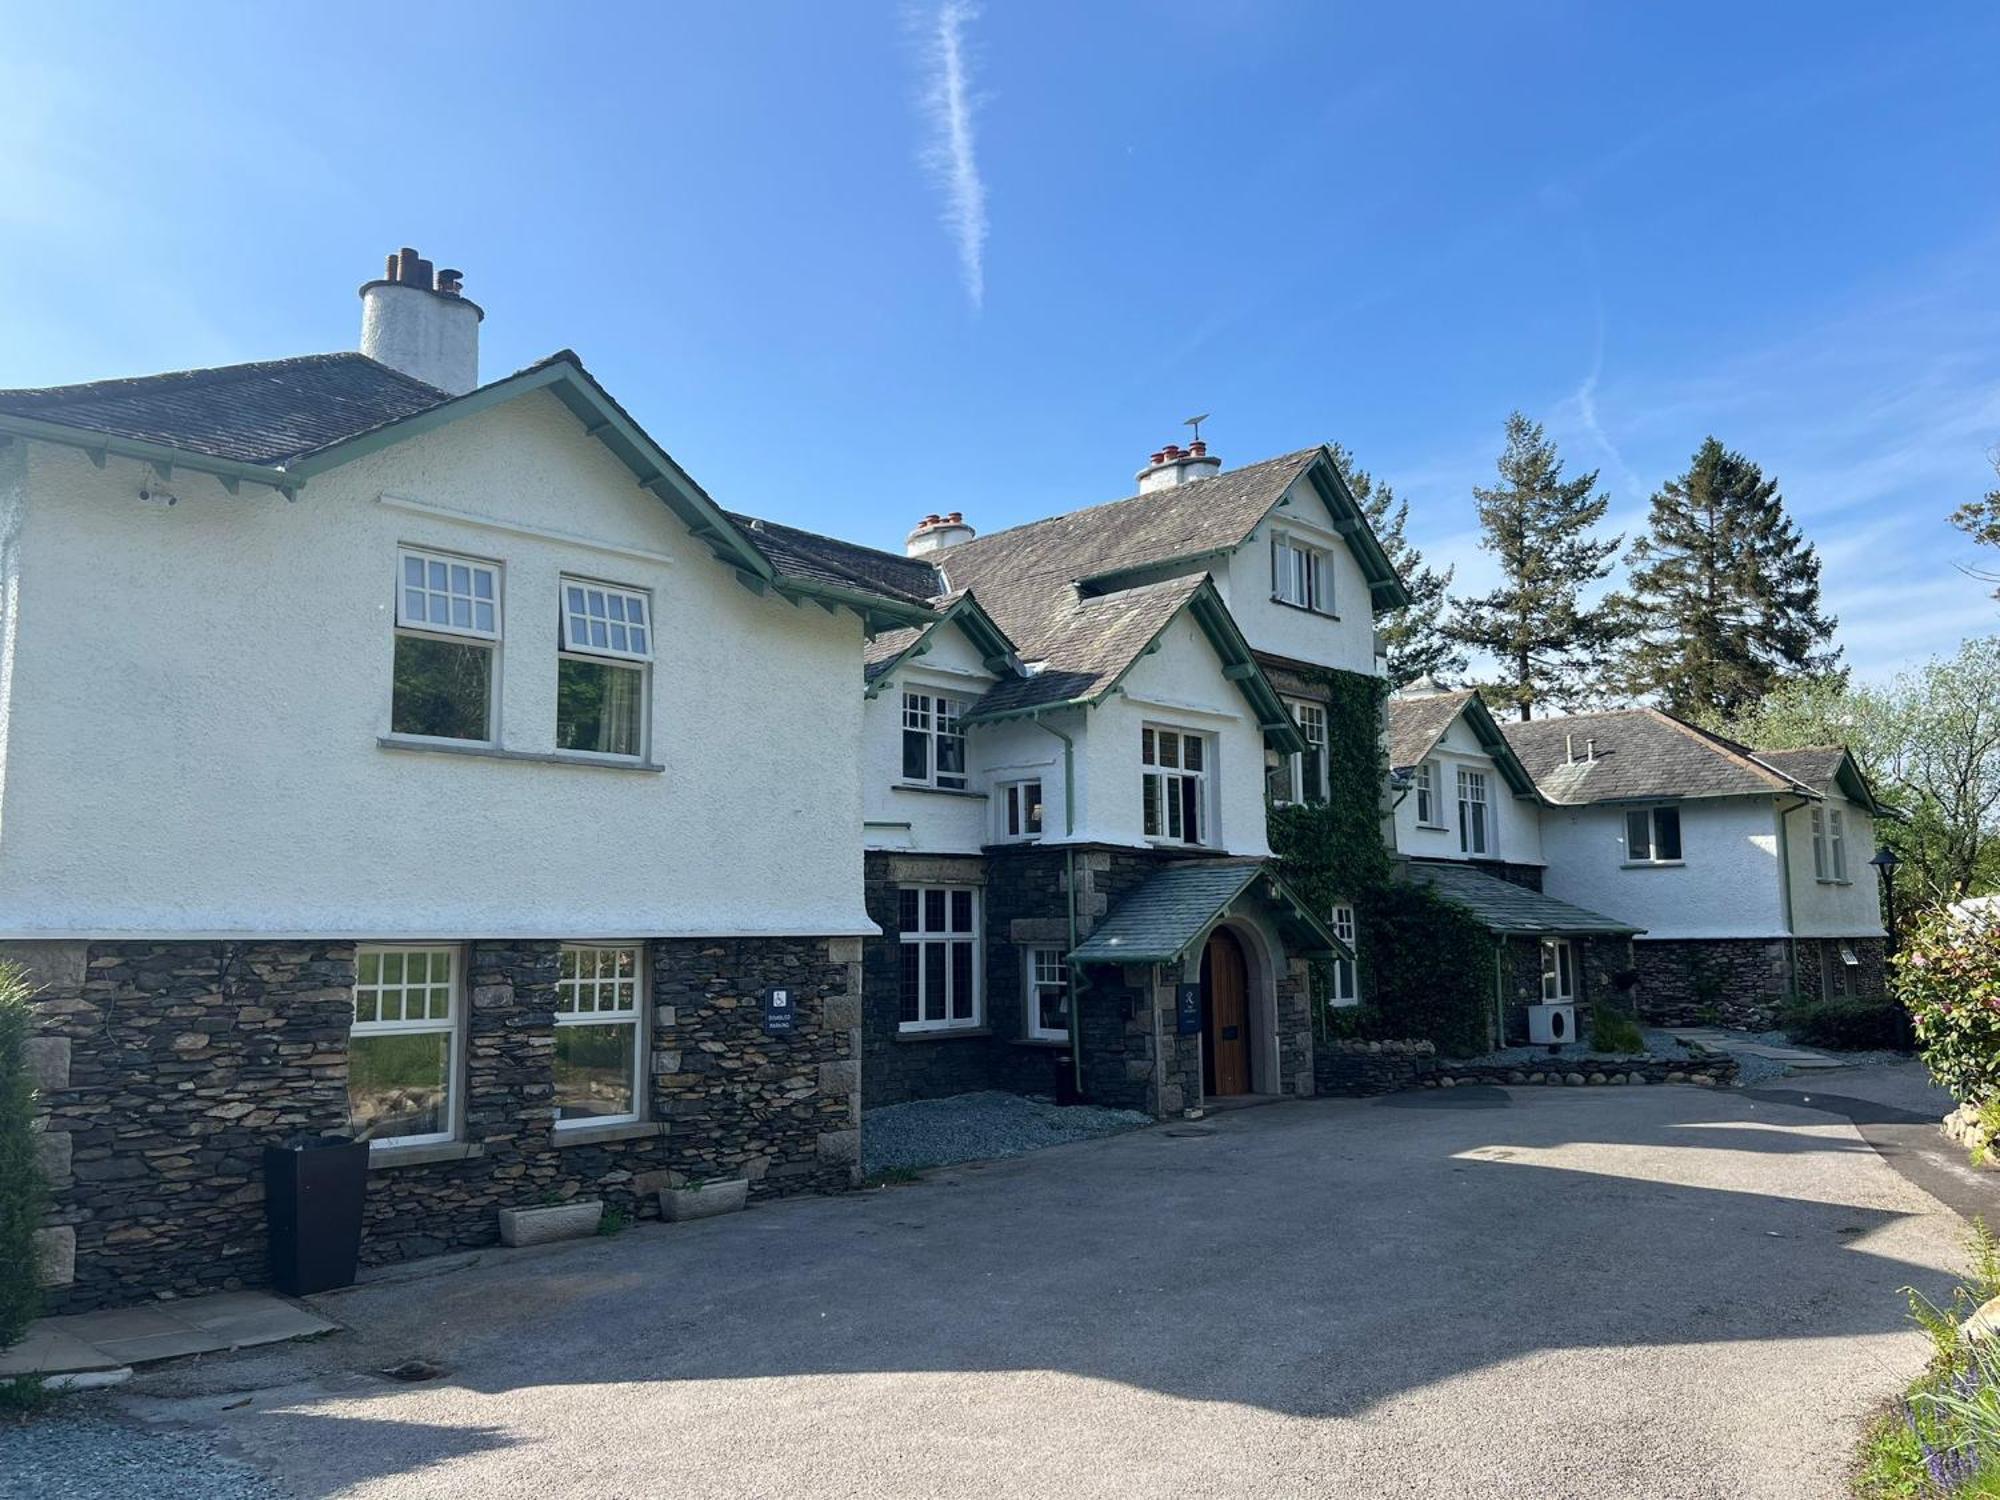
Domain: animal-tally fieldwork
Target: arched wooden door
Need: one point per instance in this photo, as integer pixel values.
(1225, 1011)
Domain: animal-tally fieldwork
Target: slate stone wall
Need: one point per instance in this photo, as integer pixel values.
(1868, 980)
(1712, 981)
(167, 1067)
(1361, 1069)
(1597, 960)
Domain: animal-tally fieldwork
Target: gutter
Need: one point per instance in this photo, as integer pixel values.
(164, 460)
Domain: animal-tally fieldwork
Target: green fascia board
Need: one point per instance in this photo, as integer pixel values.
(158, 454)
(877, 610)
(1033, 710)
(1281, 731)
(999, 653)
(1385, 589)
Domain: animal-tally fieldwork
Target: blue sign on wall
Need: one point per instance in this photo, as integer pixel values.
(1187, 1010)
(780, 1012)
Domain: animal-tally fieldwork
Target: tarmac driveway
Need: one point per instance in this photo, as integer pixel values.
(1608, 1292)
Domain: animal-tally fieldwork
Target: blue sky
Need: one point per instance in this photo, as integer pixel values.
(849, 274)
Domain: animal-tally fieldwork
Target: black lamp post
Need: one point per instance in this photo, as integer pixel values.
(1885, 861)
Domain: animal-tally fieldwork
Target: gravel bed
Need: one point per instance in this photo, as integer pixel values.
(973, 1127)
(66, 1457)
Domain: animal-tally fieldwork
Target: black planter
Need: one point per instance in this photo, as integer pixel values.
(313, 1192)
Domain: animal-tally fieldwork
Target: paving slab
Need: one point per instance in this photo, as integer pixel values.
(50, 1351)
(117, 1337)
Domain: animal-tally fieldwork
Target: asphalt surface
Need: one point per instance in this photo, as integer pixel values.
(1627, 1292)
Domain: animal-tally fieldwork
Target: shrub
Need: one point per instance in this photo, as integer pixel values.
(1433, 969)
(1948, 975)
(1844, 1025)
(23, 1194)
(1612, 1030)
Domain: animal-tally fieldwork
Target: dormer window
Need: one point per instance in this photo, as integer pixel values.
(1474, 836)
(1300, 576)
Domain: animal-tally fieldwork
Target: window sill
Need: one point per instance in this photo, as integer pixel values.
(1042, 1043)
(538, 757)
(946, 1034)
(935, 791)
(383, 1157)
(597, 1135)
(1304, 609)
(1653, 864)
(1433, 828)
(1831, 880)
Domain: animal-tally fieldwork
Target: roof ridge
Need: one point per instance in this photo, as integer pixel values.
(1721, 743)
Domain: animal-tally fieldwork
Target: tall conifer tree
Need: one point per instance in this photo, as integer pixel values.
(1548, 642)
(1724, 598)
(1414, 637)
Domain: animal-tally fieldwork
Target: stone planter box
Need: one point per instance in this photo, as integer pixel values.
(703, 1202)
(540, 1226)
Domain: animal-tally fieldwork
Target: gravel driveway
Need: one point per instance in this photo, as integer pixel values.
(1576, 1292)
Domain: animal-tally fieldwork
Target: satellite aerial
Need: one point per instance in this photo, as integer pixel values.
(1195, 423)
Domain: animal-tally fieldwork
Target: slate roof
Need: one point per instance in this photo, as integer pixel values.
(1513, 910)
(1084, 648)
(1641, 754)
(263, 413)
(824, 559)
(1177, 905)
(1417, 723)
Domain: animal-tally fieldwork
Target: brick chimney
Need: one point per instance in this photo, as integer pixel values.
(937, 534)
(1174, 465)
(418, 322)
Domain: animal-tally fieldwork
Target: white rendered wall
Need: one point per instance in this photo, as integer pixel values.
(1825, 908)
(426, 335)
(1726, 885)
(1345, 639)
(1515, 825)
(901, 816)
(198, 692)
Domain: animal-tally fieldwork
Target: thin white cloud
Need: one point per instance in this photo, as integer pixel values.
(949, 107)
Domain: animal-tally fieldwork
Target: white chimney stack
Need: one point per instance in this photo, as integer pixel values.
(419, 324)
(1174, 465)
(937, 534)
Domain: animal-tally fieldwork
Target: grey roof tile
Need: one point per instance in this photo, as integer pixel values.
(824, 559)
(1084, 649)
(1417, 723)
(1166, 915)
(1507, 908)
(263, 413)
(1639, 754)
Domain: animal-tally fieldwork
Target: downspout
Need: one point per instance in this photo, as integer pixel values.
(1499, 993)
(1069, 831)
(1785, 883)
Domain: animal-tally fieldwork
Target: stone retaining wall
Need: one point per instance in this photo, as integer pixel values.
(1736, 982)
(1360, 1069)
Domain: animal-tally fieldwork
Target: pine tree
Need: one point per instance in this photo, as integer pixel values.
(1548, 642)
(1980, 520)
(1724, 598)
(1414, 636)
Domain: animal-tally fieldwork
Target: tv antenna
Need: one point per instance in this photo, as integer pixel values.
(1195, 423)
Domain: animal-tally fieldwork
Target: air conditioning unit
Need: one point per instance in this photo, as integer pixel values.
(1551, 1025)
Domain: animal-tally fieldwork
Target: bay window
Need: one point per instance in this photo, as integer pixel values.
(599, 1035)
(1473, 834)
(605, 646)
(402, 1051)
(933, 742)
(1048, 995)
(447, 638)
(1174, 785)
(938, 930)
(1653, 836)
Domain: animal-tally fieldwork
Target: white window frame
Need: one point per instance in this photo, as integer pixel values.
(568, 648)
(1429, 778)
(1472, 794)
(429, 629)
(1652, 817)
(1166, 781)
(1012, 804)
(1558, 971)
(1311, 720)
(1345, 987)
(636, 1016)
(923, 936)
(1300, 574)
(451, 1027)
(936, 716)
(1043, 968)
(1829, 841)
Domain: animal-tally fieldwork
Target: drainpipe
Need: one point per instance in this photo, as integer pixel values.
(1069, 830)
(1785, 882)
(1499, 993)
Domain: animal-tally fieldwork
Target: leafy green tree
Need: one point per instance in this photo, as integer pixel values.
(1980, 519)
(1414, 637)
(1548, 641)
(1724, 596)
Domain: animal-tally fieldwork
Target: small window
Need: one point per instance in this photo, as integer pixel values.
(1048, 995)
(1653, 836)
(1427, 796)
(938, 929)
(1473, 832)
(607, 639)
(1345, 990)
(1021, 810)
(402, 1051)
(1302, 777)
(1836, 842)
(599, 1047)
(447, 630)
(1558, 970)
(1299, 574)
(933, 742)
(1173, 785)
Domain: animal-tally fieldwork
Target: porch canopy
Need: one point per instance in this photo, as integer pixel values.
(1510, 910)
(1172, 914)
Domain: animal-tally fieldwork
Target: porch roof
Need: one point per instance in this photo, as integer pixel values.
(1179, 905)
(1509, 909)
